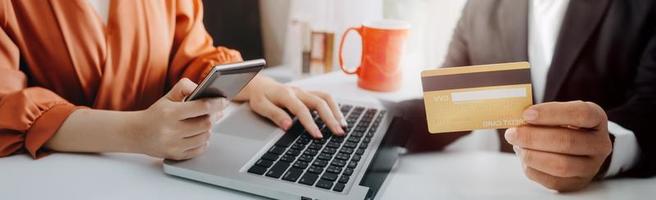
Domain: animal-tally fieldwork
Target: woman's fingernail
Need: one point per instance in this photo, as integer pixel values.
(318, 133)
(286, 124)
(340, 131)
(530, 115)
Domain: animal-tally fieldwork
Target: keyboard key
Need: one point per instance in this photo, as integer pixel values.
(315, 169)
(337, 139)
(315, 146)
(346, 150)
(300, 164)
(298, 146)
(359, 151)
(256, 169)
(356, 158)
(352, 164)
(348, 171)
(270, 156)
(324, 156)
(308, 178)
(329, 150)
(345, 109)
(264, 163)
(277, 169)
(342, 156)
(321, 141)
(350, 144)
(325, 184)
(344, 179)
(293, 152)
(333, 144)
(306, 158)
(353, 139)
(304, 139)
(329, 176)
(334, 169)
(287, 158)
(292, 175)
(358, 133)
(339, 163)
(339, 187)
(290, 135)
(320, 163)
(277, 150)
(311, 152)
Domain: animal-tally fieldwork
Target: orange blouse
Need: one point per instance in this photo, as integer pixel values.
(57, 56)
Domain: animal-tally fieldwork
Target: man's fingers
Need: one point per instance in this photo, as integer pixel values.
(325, 113)
(181, 89)
(200, 107)
(574, 113)
(559, 165)
(555, 183)
(554, 139)
(269, 110)
(337, 112)
(296, 107)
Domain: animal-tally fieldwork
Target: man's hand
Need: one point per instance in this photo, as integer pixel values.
(268, 98)
(563, 145)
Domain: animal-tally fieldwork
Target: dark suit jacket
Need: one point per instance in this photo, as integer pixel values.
(606, 54)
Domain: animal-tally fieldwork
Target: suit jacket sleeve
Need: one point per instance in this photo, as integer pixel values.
(639, 112)
(458, 52)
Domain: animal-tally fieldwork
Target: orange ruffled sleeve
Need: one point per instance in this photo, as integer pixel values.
(193, 52)
(29, 117)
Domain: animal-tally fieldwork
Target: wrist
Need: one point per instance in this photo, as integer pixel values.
(131, 127)
(257, 85)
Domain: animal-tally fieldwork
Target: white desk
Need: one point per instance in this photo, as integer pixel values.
(440, 175)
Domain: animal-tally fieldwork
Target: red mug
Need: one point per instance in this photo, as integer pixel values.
(382, 48)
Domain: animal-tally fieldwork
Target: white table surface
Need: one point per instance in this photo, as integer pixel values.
(440, 175)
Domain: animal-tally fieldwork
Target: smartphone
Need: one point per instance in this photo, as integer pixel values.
(227, 80)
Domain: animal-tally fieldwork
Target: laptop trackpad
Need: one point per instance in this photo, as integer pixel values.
(244, 123)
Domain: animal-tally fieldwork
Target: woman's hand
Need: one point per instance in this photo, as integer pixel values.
(170, 128)
(268, 98)
(173, 129)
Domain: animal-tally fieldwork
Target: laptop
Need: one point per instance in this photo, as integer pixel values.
(250, 154)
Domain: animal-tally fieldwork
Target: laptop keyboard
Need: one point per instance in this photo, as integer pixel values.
(327, 163)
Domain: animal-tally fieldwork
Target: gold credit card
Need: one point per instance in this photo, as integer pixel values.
(476, 97)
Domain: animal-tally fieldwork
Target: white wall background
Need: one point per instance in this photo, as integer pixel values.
(432, 24)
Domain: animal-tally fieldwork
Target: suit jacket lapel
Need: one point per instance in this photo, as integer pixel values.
(513, 27)
(581, 20)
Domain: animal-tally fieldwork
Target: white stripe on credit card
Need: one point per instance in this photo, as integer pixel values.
(488, 94)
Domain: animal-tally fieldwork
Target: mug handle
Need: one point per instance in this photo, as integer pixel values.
(341, 45)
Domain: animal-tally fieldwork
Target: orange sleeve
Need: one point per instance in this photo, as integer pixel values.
(193, 50)
(28, 116)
